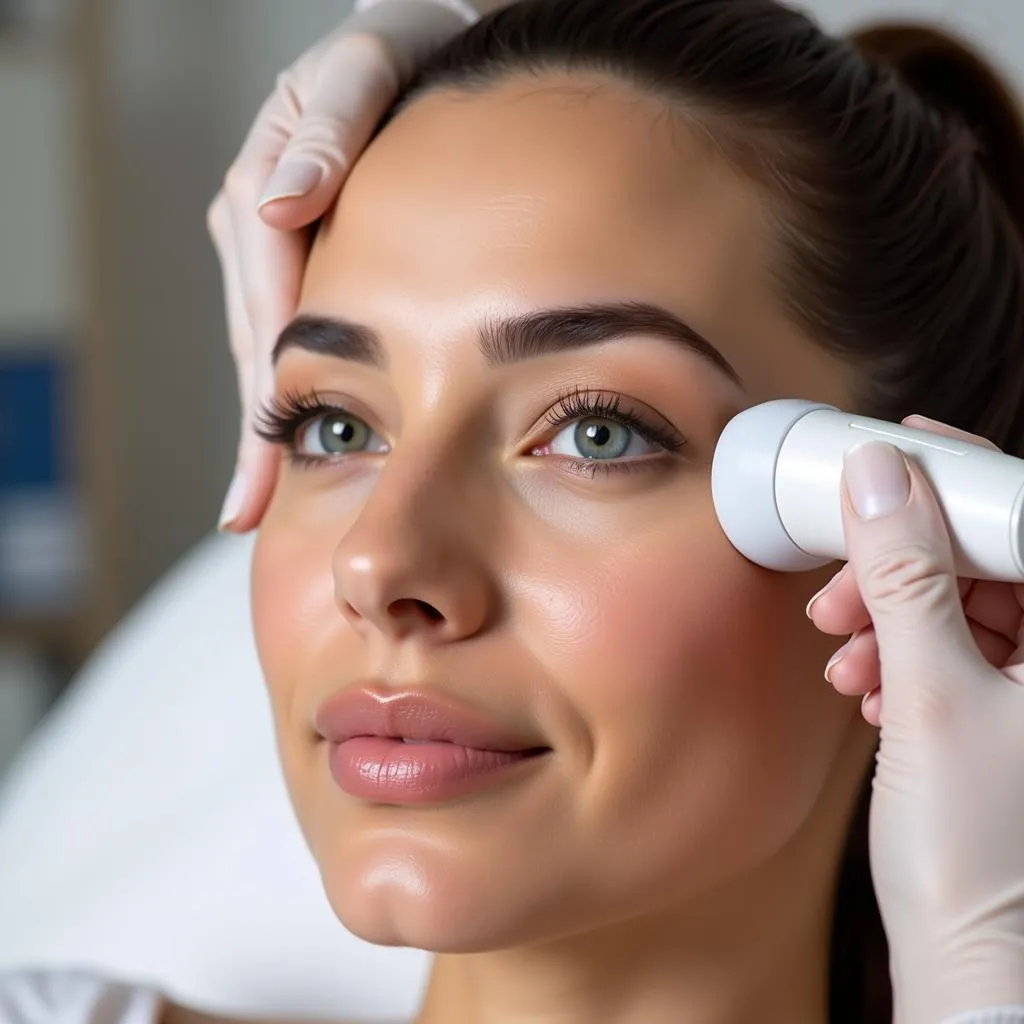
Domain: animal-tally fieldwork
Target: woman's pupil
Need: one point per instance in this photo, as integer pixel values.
(340, 431)
(602, 439)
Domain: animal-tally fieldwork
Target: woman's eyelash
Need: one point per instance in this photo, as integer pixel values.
(582, 403)
(281, 418)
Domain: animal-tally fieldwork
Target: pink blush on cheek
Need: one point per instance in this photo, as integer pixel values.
(711, 733)
(672, 618)
(677, 636)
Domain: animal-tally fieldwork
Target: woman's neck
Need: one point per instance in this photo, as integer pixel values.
(754, 956)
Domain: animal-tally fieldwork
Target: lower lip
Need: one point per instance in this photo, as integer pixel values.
(389, 771)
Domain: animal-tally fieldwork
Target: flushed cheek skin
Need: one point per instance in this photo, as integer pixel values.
(695, 746)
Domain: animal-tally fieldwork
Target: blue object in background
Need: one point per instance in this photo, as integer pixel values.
(43, 545)
(31, 386)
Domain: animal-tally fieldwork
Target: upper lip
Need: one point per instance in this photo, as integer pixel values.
(373, 710)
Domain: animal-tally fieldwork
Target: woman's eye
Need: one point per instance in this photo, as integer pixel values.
(336, 433)
(599, 438)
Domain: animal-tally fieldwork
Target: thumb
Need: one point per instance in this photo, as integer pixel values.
(900, 553)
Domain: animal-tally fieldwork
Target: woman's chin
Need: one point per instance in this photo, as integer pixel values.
(405, 900)
(433, 930)
(389, 913)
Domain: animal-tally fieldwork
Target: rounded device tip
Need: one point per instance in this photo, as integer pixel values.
(743, 484)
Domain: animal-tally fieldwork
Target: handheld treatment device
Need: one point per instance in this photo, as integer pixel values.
(776, 484)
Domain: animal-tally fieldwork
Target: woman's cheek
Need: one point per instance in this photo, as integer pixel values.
(293, 604)
(674, 639)
(295, 611)
(294, 617)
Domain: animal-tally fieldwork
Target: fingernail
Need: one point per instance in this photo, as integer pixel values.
(835, 659)
(927, 421)
(876, 479)
(233, 502)
(291, 179)
(824, 590)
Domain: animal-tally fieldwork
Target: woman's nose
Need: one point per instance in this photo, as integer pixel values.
(405, 572)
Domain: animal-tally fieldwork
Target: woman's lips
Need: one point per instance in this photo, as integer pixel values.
(391, 771)
(416, 746)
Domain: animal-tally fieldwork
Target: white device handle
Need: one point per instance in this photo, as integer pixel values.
(776, 483)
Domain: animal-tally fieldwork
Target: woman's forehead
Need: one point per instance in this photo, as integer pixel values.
(546, 192)
(551, 185)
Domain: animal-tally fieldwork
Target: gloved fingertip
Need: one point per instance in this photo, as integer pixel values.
(300, 211)
(292, 179)
(832, 583)
(234, 502)
(871, 707)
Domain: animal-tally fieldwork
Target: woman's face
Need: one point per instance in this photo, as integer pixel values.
(500, 536)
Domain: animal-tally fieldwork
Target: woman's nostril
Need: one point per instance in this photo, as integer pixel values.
(429, 611)
(409, 608)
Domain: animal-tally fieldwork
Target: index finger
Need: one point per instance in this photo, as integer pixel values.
(936, 427)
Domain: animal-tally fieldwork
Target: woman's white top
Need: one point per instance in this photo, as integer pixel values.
(69, 997)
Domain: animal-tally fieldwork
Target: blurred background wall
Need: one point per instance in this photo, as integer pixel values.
(182, 82)
(118, 411)
(118, 408)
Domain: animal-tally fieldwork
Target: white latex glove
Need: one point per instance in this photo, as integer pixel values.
(940, 665)
(58, 997)
(293, 163)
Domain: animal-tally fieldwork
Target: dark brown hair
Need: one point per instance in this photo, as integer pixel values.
(893, 163)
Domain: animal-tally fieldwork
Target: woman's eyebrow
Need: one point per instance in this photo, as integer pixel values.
(549, 331)
(514, 339)
(330, 336)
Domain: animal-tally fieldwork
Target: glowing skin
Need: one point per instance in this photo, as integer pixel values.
(672, 858)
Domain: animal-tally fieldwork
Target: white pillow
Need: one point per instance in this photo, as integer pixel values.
(145, 833)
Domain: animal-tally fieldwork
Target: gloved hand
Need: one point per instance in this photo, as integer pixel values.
(940, 666)
(71, 997)
(297, 154)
